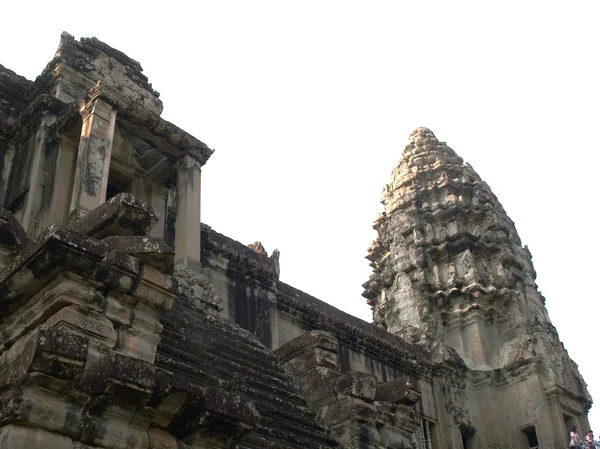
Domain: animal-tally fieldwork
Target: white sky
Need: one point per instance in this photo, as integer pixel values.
(309, 105)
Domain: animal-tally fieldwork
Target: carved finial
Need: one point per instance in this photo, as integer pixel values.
(257, 247)
(420, 132)
(275, 261)
(66, 36)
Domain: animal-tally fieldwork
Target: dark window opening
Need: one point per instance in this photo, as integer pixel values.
(466, 435)
(112, 190)
(170, 226)
(531, 436)
(117, 183)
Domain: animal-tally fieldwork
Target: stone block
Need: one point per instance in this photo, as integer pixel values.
(155, 288)
(119, 310)
(349, 408)
(316, 385)
(217, 414)
(355, 434)
(63, 290)
(193, 283)
(109, 428)
(394, 438)
(169, 407)
(17, 437)
(310, 359)
(50, 409)
(151, 251)
(35, 264)
(132, 380)
(404, 390)
(118, 271)
(93, 325)
(57, 353)
(139, 425)
(11, 231)
(326, 344)
(141, 338)
(159, 439)
(357, 384)
(123, 214)
(406, 418)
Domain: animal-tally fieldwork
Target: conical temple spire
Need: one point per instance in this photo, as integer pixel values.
(447, 259)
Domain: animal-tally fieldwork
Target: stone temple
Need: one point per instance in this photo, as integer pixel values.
(125, 323)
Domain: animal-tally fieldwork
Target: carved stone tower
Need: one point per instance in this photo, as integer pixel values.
(449, 266)
(448, 259)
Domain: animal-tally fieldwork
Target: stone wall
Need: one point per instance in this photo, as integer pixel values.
(322, 348)
(83, 312)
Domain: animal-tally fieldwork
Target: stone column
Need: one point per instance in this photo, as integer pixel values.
(60, 203)
(553, 430)
(187, 223)
(158, 200)
(93, 158)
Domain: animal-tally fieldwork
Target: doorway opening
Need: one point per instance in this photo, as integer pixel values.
(531, 436)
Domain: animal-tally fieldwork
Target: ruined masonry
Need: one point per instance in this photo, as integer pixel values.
(125, 323)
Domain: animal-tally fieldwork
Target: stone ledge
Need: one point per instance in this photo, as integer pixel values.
(172, 141)
(242, 261)
(404, 390)
(55, 250)
(122, 215)
(152, 251)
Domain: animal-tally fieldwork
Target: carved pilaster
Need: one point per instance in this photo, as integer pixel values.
(187, 224)
(93, 159)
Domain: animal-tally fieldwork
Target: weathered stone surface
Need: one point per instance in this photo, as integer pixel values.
(219, 353)
(118, 271)
(151, 251)
(403, 390)
(241, 260)
(357, 384)
(193, 284)
(36, 264)
(11, 231)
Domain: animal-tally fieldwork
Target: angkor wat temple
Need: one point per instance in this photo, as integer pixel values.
(128, 324)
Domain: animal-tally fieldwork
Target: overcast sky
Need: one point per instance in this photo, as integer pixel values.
(309, 105)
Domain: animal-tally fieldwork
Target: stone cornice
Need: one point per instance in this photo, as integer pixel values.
(242, 263)
(55, 250)
(367, 339)
(171, 140)
(30, 119)
(238, 260)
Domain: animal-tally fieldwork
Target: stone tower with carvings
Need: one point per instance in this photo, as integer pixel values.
(448, 266)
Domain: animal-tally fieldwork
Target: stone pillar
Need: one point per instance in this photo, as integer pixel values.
(187, 224)
(60, 203)
(93, 158)
(554, 430)
(33, 201)
(158, 199)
